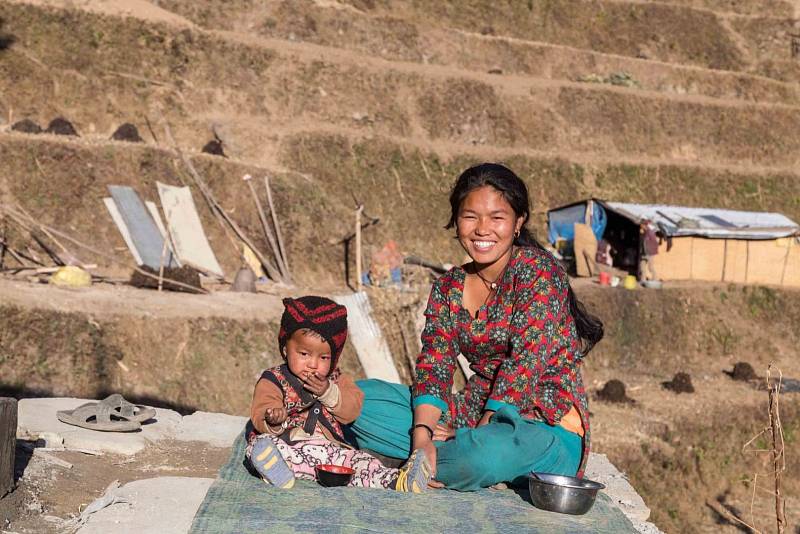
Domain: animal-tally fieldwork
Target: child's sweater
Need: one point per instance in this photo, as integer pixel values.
(344, 410)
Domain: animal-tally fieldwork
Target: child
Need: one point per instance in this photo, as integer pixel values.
(298, 408)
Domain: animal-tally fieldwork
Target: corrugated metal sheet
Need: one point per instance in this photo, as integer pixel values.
(708, 222)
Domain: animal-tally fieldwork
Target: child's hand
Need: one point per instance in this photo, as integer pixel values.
(316, 384)
(275, 416)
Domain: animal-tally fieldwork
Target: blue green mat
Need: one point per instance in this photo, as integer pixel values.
(239, 502)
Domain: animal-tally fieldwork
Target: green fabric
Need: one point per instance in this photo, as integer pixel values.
(238, 502)
(505, 450)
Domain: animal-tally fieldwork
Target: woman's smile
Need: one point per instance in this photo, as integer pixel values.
(486, 225)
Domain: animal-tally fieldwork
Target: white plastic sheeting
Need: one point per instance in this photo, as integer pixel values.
(708, 222)
(365, 335)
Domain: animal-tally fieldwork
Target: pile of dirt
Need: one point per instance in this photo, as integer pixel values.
(26, 126)
(614, 391)
(185, 276)
(127, 132)
(214, 147)
(743, 372)
(680, 383)
(61, 126)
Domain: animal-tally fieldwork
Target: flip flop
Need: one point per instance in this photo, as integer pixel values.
(98, 416)
(415, 474)
(267, 460)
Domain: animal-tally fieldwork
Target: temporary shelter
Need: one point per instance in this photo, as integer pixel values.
(695, 243)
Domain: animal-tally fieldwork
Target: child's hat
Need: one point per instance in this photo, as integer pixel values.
(319, 314)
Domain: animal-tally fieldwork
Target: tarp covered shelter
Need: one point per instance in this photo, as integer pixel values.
(696, 243)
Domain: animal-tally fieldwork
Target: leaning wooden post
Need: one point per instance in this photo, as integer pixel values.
(358, 246)
(8, 441)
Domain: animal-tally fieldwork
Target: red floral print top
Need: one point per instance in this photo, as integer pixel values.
(523, 347)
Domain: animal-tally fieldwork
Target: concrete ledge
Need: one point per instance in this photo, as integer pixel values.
(37, 420)
(163, 505)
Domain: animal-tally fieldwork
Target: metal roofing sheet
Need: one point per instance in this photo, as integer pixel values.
(708, 222)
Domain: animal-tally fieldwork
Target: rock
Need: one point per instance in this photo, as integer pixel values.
(26, 126)
(61, 126)
(245, 281)
(127, 132)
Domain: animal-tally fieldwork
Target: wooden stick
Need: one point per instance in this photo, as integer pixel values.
(278, 232)
(8, 440)
(778, 459)
(271, 270)
(358, 246)
(164, 249)
(267, 231)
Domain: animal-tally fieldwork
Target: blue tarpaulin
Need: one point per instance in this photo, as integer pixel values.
(561, 222)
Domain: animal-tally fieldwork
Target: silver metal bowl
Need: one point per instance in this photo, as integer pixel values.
(562, 494)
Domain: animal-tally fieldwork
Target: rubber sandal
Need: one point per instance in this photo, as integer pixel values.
(267, 460)
(415, 474)
(98, 416)
(128, 410)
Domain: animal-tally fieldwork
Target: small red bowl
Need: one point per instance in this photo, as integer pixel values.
(330, 476)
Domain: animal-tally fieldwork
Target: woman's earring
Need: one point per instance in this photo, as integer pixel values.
(516, 234)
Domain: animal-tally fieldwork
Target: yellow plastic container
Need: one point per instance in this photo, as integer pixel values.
(629, 282)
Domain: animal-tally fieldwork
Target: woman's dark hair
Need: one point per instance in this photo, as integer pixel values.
(513, 189)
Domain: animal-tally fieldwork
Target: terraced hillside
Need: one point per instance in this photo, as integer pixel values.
(384, 102)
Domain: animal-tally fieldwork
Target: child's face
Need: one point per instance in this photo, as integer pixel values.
(307, 353)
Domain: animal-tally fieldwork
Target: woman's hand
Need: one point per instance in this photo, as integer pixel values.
(443, 432)
(275, 416)
(421, 439)
(487, 415)
(315, 384)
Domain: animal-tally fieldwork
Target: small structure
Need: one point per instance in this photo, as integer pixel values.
(694, 243)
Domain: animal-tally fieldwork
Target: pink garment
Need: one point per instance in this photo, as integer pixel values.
(304, 456)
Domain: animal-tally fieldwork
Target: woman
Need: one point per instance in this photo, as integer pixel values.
(512, 313)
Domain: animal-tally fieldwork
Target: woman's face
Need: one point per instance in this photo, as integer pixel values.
(486, 225)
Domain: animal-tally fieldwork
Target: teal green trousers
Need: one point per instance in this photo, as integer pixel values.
(504, 450)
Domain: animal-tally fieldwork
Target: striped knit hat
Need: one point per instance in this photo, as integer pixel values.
(319, 314)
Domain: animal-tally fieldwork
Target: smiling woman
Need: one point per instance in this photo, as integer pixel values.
(512, 313)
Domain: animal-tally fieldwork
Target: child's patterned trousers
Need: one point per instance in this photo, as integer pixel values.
(304, 456)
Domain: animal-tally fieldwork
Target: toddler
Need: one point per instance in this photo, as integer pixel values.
(298, 408)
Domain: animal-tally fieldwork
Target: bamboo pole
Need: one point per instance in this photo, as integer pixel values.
(267, 230)
(278, 232)
(358, 247)
(778, 459)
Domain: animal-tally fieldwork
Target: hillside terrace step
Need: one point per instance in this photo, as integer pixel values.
(390, 36)
(278, 87)
(679, 34)
(43, 172)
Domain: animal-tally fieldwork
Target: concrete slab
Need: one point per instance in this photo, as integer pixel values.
(163, 505)
(216, 429)
(37, 420)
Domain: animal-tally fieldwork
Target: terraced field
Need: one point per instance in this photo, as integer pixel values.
(384, 102)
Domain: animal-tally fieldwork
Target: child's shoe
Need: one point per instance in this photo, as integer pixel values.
(415, 474)
(267, 460)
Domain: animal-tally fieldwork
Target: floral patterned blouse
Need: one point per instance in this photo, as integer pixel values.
(523, 347)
